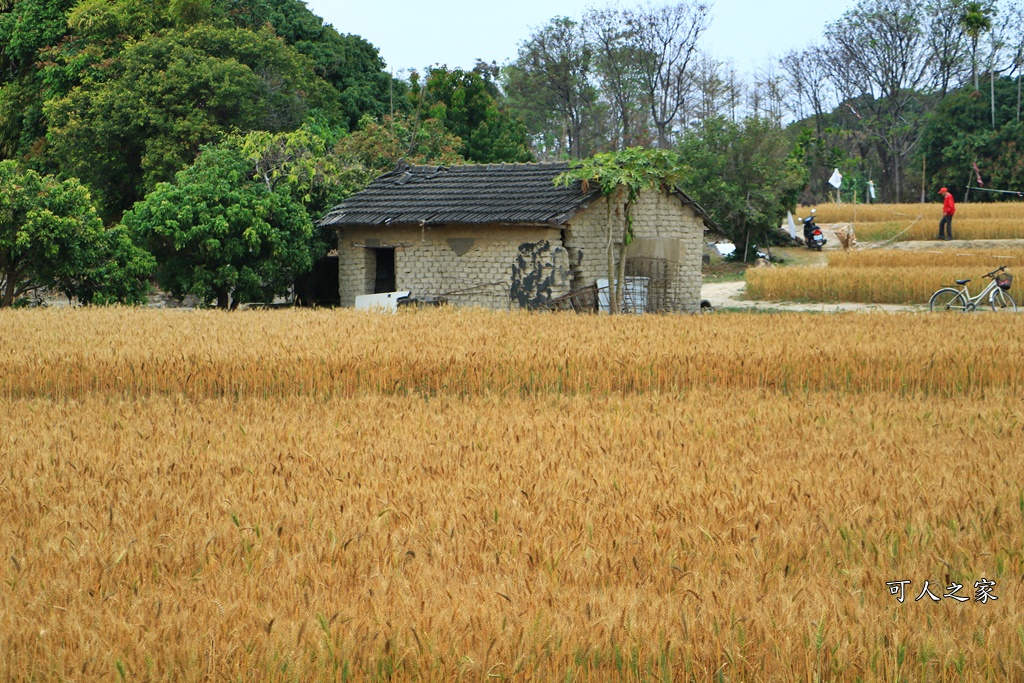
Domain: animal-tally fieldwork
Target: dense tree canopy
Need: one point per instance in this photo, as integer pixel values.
(78, 80)
(220, 235)
(744, 174)
(51, 236)
(960, 134)
(467, 104)
(168, 95)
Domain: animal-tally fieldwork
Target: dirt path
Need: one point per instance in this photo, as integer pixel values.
(729, 295)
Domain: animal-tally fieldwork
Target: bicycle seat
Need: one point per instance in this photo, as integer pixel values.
(962, 282)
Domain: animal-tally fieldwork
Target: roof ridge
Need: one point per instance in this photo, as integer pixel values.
(502, 166)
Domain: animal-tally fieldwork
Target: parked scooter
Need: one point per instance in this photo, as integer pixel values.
(812, 233)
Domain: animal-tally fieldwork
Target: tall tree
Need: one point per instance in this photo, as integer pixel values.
(221, 235)
(552, 80)
(170, 93)
(881, 65)
(714, 89)
(744, 173)
(947, 42)
(617, 70)
(975, 19)
(808, 81)
(664, 39)
(467, 105)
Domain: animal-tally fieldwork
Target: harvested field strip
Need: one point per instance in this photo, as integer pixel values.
(880, 213)
(979, 262)
(913, 285)
(927, 229)
(880, 276)
(739, 533)
(878, 222)
(78, 353)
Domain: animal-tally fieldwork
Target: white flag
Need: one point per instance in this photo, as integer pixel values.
(871, 189)
(836, 180)
(792, 225)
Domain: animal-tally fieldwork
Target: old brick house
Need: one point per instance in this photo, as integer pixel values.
(503, 235)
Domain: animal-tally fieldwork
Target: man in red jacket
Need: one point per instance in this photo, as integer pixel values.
(948, 209)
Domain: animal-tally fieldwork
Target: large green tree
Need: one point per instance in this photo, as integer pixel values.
(468, 104)
(550, 85)
(975, 19)
(221, 235)
(156, 79)
(169, 94)
(744, 174)
(51, 237)
(959, 134)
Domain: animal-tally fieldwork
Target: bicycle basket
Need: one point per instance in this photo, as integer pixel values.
(1004, 280)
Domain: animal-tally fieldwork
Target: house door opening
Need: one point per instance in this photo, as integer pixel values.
(385, 271)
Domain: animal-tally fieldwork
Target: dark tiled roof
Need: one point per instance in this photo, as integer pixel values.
(474, 194)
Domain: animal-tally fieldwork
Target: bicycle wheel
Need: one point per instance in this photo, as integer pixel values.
(946, 300)
(1002, 302)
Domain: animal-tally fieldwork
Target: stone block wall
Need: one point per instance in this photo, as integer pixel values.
(657, 217)
(490, 266)
(510, 266)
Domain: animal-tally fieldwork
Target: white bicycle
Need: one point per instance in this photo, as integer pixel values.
(996, 294)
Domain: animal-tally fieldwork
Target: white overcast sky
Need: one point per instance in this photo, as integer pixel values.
(425, 32)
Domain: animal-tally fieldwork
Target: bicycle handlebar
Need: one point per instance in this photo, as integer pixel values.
(995, 272)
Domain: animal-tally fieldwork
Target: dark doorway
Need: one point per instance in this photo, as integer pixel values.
(319, 287)
(385, 271)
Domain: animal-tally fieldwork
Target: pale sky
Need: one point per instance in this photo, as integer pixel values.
(418, 34)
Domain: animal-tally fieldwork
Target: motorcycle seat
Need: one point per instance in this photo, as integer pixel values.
(962, 282)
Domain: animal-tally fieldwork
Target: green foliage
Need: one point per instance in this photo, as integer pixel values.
(51, 236)
(743, 174)
(632, 170)
(297, 163)
(29, 26)
(220, 235)
(169, 94)
(349, 63)
(377, 147)
(301, 165)
(466, 104)
(960, 133)
(25, 30)
(627, 172)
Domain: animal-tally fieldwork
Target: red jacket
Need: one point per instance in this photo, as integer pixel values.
(948, 207)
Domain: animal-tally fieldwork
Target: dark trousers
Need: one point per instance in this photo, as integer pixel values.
(947, 224)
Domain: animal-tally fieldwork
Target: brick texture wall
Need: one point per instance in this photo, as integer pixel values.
(471, 265)
(509, 266)
(656, 216)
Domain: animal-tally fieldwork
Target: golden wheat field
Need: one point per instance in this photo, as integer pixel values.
(883, 276)
(463, 495)
(878, 222)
